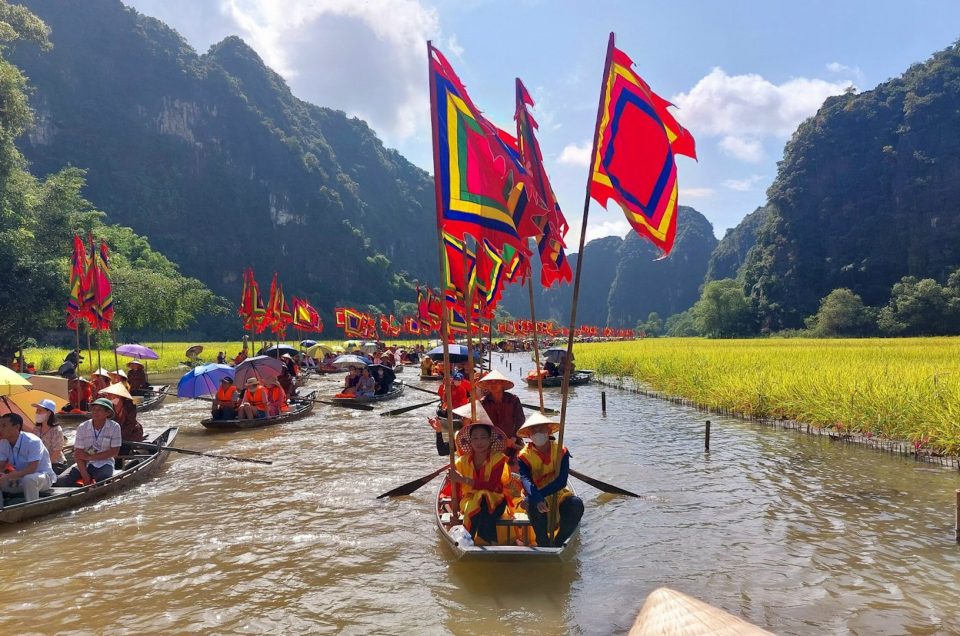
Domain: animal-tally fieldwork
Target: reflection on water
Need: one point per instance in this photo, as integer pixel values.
(794, 533)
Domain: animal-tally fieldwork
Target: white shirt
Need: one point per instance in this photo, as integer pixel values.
(94, 441)
(27, 449)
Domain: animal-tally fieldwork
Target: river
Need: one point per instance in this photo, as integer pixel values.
(794, 533)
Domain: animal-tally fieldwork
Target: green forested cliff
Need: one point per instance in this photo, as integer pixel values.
(214, 159)
(868, 192)
(623, 282)
(731, 252)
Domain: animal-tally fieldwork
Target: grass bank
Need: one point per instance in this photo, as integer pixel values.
(905, 388)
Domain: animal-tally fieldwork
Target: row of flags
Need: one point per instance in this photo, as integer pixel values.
(276, 315)
(494, 196)
(91, 291)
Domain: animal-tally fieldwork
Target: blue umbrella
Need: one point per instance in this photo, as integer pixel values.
(306, 344)
(458, 353)
(350, 360)
(203, 380)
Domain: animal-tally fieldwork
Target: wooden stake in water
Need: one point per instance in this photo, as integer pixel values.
(957, 517)
(706, 437)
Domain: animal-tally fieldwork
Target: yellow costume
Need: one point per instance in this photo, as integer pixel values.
(488, 483)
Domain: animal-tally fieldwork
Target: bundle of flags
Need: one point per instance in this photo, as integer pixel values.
(91, 290)
(276, 315)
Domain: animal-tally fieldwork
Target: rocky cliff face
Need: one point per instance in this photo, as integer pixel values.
(624, 279)
(214, 159)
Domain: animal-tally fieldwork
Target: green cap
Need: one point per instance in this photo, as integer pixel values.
(105, 403)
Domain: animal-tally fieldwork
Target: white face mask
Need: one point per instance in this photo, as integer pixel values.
(539, 439)
(41, 418)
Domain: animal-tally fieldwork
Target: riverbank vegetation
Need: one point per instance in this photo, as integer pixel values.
(906, 388)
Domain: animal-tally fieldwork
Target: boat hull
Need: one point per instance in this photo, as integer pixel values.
(69, 498)
(298, 410)
(396, 392)
(577, 379)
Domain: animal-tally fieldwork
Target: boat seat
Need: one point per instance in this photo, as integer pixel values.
(519, 519)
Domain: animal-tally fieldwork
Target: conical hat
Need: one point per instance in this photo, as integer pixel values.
(497, 443)
(496, 376)
(482, 417)
(101, 372)
(537, 419)
(117, 389)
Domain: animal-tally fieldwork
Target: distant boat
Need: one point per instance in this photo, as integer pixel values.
(300, 407)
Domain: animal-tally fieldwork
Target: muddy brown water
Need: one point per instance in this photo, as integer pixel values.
(793, 533)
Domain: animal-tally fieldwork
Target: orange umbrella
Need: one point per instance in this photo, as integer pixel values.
(27, 399)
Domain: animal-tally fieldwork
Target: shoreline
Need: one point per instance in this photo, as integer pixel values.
(901, 448)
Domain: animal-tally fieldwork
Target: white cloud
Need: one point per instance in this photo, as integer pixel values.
(454, 47)
(619, 227)
(743, 185)
(365, 58)
(576, 154)
(750, 150)
(695, 193)
(751, 106)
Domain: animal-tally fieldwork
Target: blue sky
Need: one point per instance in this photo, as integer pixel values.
(743, 73)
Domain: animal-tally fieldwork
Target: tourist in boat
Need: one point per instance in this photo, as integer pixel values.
(119, 376)
(458, 392)
(384, 379)
(350, 382)
(96, 445)
(426, 366)
(276, 397)
(78, 392)
(551, 368)
(240, 357)
(32, 472)
(253, 405)
(221, 357)
(366, 386)
(543, 481)
(480, 474)
(124, 414)
(50, 433)
(226, 400)
(465, 418)
(74, 358)
(286, 382)
(137, 378)
(99, 380)
(502, 406)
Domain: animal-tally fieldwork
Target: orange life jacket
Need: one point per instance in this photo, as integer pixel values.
(277, 396)
(257, 398)
(228, 394)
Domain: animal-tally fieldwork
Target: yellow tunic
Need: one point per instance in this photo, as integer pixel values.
(489, 481)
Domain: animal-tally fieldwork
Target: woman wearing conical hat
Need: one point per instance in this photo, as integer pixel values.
(545, 479)
(503, 407)
(480, 475)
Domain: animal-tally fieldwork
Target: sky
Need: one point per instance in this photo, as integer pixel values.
(743, 74)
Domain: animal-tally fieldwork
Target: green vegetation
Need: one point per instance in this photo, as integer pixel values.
(38, 218)
(905, 389)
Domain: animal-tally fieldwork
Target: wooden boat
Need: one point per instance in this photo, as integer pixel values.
(300, 407)
(431, 377)
(137, 469)
(578, 378)
(153, 399)
(395, 391)
(511, 552)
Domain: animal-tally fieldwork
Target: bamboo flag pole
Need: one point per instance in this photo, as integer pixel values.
(551, 521)
(444, 323)
(468, 306)
(536, 342)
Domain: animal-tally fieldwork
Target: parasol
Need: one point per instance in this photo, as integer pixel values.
(260, 367)
(138, 352)
(203, 380)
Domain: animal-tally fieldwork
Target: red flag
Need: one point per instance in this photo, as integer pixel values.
(637, 141)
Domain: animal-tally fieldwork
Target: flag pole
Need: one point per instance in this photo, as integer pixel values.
(551, 521)
(444, 323)
(468, 306)
(536, 343)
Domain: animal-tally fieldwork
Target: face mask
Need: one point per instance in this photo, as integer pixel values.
(41, 418)
(539, 439)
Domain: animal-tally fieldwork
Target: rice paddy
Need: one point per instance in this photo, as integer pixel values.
(906, 389)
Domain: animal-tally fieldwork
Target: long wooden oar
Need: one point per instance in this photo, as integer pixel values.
(409, 408)
(414, 485)
(358, 406)
(600, 485)
(532, 407)
(193, 452)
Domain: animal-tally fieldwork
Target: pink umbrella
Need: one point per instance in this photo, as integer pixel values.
(138, 352)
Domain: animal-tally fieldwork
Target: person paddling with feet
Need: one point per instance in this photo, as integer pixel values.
(97, 443)
(32, 472)
(544, 479)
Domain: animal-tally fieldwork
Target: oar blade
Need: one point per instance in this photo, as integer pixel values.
(414, 485)
(357, 406)
(407, 409)
(602, 485)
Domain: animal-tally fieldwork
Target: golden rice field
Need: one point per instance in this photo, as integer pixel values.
(905, 388)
